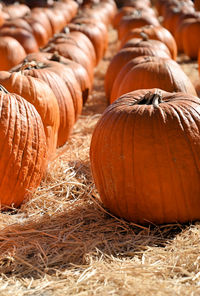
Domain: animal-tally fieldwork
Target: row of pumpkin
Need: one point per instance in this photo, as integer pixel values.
(182, 19)
(42, 97)
(140, 35)
(145, 148)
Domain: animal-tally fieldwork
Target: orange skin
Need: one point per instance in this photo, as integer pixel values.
(153, 72)
(23, 149)
(38, 93)
(145, 157)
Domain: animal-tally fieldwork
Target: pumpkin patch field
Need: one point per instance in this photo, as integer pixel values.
(100, 189)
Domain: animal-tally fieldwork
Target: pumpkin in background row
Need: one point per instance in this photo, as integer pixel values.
(79, 71)
(23, 149)
(124, 56)
(62, 94)
(145, 157)
(11, 52)
(151, 72)
(155, 33)
(39, 94)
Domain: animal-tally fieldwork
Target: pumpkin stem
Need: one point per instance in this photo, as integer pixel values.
(66, 30)
(144, 36)
(30, 65)
(55, 57)
(151, 99)
(2, 88)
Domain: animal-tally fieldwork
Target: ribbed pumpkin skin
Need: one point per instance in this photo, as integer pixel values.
(38, 93)
(79, 71)
(123, 57)
(23, 149)
(145, 158)
(64, 99)
(153, 72)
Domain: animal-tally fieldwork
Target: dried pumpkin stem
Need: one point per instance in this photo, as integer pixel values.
(2, 88)
(150, 99)
(144, 36)
(55, 57)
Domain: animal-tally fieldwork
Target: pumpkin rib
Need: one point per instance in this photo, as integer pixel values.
(112, 157)
(156, 154)
(167, 147)
(101, 137)
(3, 150)
(123, 137)
(191, 144)
(37, 141)
(181, 122)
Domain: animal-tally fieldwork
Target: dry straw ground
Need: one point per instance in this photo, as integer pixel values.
(63, 242)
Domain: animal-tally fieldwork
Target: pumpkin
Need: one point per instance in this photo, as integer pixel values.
(125, 10)
(56, 19)
(136, 20)
(183, 21)
(72, 52)
(23, 36)
(39, 94)
(123, 57)
(128, 11)
(144, 41)
(39, 32)
(153, 72)
(155, 33)
(144, 157)
(190, 41)
(23, 149)
(40, 16)
(79, 71)
(95, 31)
(67, 75)
(16, 10)
(76, 38)
(62, 94)
(171, 19)
(11, 52)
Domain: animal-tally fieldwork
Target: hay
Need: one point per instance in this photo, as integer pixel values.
(63, 242)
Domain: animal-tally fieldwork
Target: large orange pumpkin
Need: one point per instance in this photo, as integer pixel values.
(23, 149)
(145, 157)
